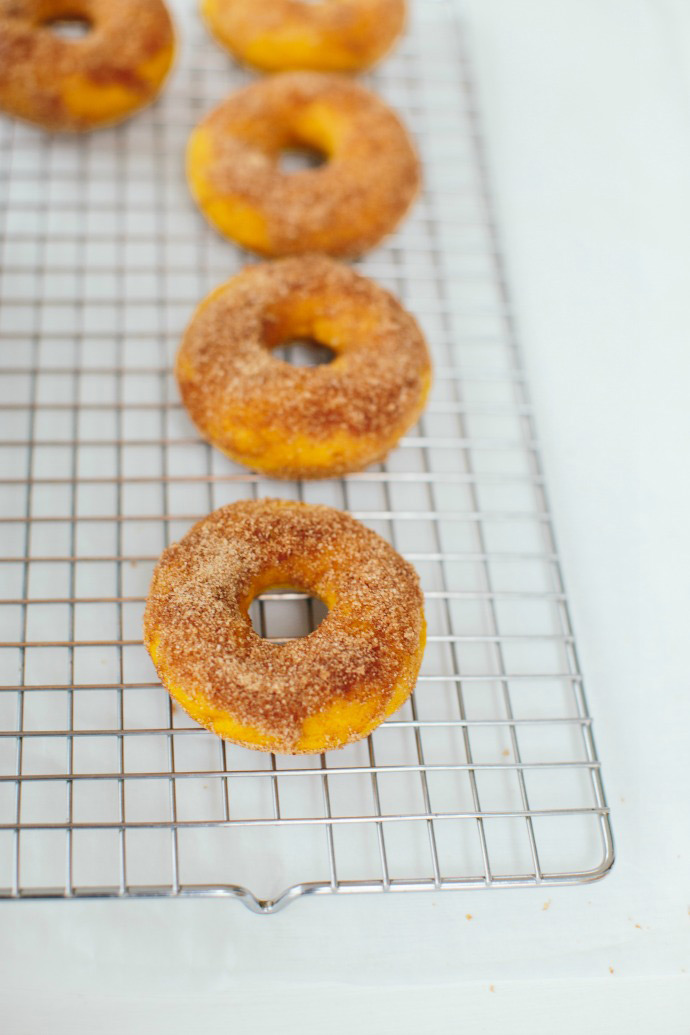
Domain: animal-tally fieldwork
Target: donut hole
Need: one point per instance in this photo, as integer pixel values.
(284, 614)
(300, 159)
(304, 352)
(69, 27)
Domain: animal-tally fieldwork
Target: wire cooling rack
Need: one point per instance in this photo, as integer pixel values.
(488, 777)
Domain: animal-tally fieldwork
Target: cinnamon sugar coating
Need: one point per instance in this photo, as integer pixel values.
(304, 422)
(313, 693)
(334, 35)
(78, 84)
(343, 207)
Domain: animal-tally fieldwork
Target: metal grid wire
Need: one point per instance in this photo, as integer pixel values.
(488, 777)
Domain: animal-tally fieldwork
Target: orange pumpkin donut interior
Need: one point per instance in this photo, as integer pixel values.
(312, 694)
(117, 67)
(344, 207)
(303, 422)
(331, 36)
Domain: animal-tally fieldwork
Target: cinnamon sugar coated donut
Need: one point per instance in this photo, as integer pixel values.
(117, 67)
(311, 694)
(331, 36)
(303, 422)
(344, 207)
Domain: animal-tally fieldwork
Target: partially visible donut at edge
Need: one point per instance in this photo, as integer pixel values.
(282, 35)
(75, 85)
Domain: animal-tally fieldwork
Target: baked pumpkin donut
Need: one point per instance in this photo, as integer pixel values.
(330, 36)
(311, 694)
(117, 67)
(344, 207)
(303, 422)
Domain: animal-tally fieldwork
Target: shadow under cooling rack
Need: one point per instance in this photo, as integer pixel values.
(488, 777)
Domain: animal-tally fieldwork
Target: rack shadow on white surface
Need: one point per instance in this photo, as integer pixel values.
(488, 777)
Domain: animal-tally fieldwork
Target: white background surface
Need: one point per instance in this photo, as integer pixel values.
(585, 108)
